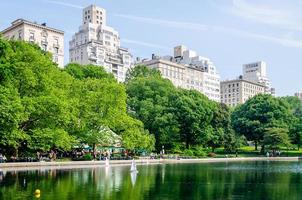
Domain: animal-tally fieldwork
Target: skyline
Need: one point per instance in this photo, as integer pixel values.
(254, 31)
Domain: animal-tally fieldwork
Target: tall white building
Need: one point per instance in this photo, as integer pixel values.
(256, 72)
(188, 70)
(98, 44)
(49, 39)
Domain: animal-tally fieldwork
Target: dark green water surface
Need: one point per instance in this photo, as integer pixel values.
(237, 180)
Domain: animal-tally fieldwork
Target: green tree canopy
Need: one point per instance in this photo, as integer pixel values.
(140, 71)
(262, 111)
(149, 100)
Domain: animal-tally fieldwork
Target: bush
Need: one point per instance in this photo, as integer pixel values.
(86, 157)
(188, 152)
(199, 152)
(177, 149)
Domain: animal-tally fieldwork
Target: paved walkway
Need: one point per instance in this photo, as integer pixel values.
(90, 164)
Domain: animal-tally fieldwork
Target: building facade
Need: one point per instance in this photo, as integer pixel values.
(98, 44)
(256, 72)
(238, 91)
(188, 70)
(49, 39)
(299, 95)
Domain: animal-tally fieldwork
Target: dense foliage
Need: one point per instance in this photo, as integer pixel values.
(178, 118)
(44, 108)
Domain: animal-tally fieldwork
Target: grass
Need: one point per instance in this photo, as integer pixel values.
(249, 151)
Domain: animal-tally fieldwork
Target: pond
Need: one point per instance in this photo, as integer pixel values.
(235, 180)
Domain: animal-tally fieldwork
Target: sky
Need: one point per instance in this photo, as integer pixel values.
(229, 32)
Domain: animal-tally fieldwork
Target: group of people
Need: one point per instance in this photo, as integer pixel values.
(52, 156)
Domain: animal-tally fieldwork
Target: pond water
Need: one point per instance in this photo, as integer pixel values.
(237, 180)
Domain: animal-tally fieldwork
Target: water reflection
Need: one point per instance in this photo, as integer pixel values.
(246, 180)
(133, 177)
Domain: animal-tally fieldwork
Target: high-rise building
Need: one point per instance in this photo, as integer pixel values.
(299, 95)
(188, 70)
(238, 91)
(49, 39)
(98, 44)
(256, 72)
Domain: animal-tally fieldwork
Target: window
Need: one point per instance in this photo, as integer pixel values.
(56, 41)
(44, 47)
(20, 35)
(31, 36)
(56, 50)
(44, 38)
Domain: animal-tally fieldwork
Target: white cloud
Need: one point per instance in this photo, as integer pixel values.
(279, 14)
(173, 24)
(284, 41)
(65, 4)
(146, 44)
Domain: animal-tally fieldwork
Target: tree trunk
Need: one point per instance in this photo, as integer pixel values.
(256, 145)
(187, 144)
(262, 148)
(298, 146)
(17, 152)
(93, 151)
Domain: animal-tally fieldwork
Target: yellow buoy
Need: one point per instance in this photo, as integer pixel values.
(37, 191)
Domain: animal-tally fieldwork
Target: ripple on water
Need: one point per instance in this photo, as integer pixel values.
(263, 166)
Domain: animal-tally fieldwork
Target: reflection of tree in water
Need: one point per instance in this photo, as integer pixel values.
(254, 180)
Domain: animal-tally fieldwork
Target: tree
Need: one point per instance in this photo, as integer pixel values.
(295, 125)
(44, 107)
(11, 115)
(140, 71)
(47, 139)
(221, 126)
(274, 137)
(194, 113)
(102, 103)
(149, 100)
(260, 112)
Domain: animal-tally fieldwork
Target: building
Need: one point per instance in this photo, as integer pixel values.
(49, 39)
(98, 44)
(188, 70)
(299, 95)
(169, 70)
(256, 72)
(238, 91)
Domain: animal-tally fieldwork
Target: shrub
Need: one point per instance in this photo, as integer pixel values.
(188, 152)
(199, 152)
(86, 157)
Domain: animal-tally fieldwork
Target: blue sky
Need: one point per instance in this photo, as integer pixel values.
(229, 32)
